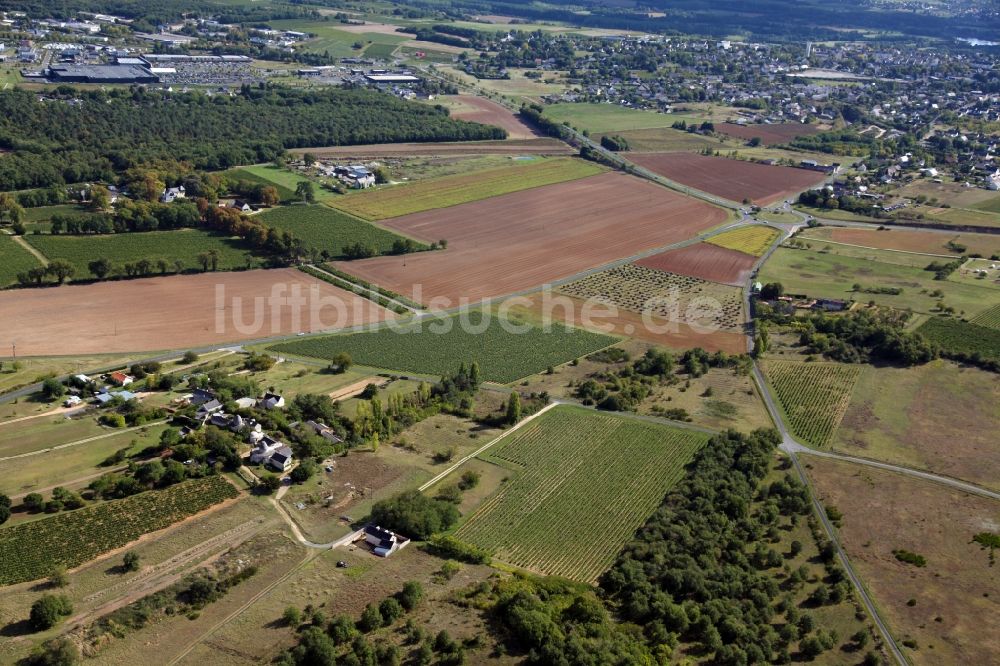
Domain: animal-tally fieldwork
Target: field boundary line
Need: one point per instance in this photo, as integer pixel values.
(83, 441)
(488, 445)
(883, 249)
(35, 252)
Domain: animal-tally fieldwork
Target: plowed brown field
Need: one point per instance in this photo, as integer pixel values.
(525, 239)
(173, 312)
(481, 110)
(768, 134)
(705, 261)
(732, 179)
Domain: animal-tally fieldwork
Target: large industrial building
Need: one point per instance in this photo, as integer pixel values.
(101, 74)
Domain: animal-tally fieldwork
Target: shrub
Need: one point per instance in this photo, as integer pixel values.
(48, 610)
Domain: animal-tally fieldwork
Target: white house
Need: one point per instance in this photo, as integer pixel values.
(383, 541)
(272, 401)
(207, 409)
(281, 459)
(173, 193)
(264, 447)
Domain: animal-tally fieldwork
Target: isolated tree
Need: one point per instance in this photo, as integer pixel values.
(292, 617)
(371, 618)
(53, 389)
(513, 409)
(99, 268)
(341, 362)
(411, 595)
(58, 577)
(269, 483)
(306, 191)
(61, 270)
(213, 257)
(4, 508)
(205, 260)
(48, 610)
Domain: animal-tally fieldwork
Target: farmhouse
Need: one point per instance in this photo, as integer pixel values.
(201, 396)
(355, 175)
(119, 378)
(171, 194)
(272, 401)
(207, 409)
(384, 542)
(281, 459)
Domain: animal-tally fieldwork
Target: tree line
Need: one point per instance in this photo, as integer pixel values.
(78, 136)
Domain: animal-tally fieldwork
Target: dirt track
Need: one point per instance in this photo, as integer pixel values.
(732, 179)
(526, 239)
(482, 110)
(705, 261)
(173, 312)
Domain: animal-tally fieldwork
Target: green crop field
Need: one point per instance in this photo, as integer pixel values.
(14, 259)
(831, 273)
(991, 205)
(324, 228)
(581, 482)
(45, 213)
(381, 50)
(29, 551)
(989, 318)
(453, 190)
(283, 180)
(607, 118)
(437, 345)
(962, 337)
(330, 39)
(183, 245)
(814, 396)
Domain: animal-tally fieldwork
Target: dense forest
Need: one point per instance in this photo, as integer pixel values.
(774, 20)
(73, 136)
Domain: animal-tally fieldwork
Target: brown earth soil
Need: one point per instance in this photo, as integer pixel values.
(174, 312)
(732, 179)
(481, 110)
(955, 616)
(509, 147)
(930, 242)
(769, 134)
(525, 239)
(705, 261)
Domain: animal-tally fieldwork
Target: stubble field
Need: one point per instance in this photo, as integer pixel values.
(769, 135)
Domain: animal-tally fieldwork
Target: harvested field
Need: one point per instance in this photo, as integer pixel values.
(679, 298)
(928, 242)
(954, 617)
(462, 188)
(509, 147)
(173, 312)
(753, 240)
(673, 335)
(732, 179)
(485, 111)
(769, 135)
(705, 261)
(525, 239)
